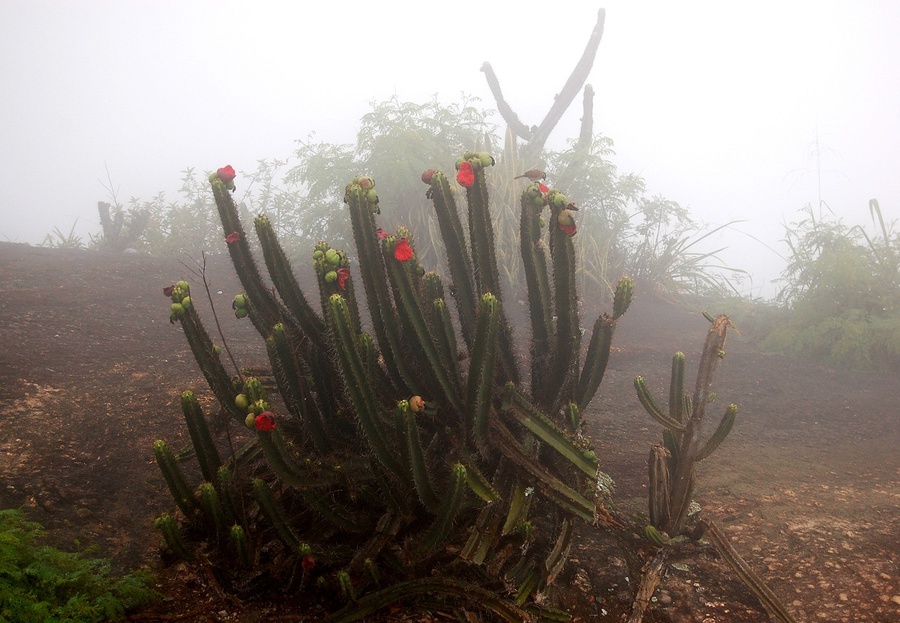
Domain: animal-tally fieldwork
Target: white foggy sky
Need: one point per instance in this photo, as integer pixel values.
(715, 104)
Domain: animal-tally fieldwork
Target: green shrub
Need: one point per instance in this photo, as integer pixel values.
(842, 294)
(40, 584)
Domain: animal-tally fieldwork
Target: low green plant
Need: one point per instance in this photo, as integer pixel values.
(41, 584)
(57, 239)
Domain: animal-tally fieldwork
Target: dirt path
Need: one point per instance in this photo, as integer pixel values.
(807, 486)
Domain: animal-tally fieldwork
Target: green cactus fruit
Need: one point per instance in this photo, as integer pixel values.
(560, 201)
(487, 160)
(217, 350)
(250, 421)
(331, 276)
(240, 312)
(186, 302)
(183, 285)
(333, 257)
(566, 218)
(240, 301)
(241, 401)
(372, 196)
(318, 254)
(177, 310)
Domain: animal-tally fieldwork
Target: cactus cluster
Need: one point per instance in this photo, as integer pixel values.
(402, 452)
(671, 464)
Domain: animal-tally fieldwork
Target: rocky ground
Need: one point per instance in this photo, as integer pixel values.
(807, 487)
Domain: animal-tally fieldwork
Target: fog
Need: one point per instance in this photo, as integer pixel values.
(738, 111)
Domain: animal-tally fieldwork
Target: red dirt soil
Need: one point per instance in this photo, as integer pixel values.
(807, 486)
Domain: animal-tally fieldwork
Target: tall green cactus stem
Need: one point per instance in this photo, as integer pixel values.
(445, 338)
(212, 508)
(207, 358)
(481, 367)
(484, 256)
(207, 454)
(595, 361)
(371, 265)
(171, 532)
(458, 259)
(358, 384)
(421, 477)
(443, 521)
(226, 487)
(178, 486)
(601, 342)
(264, 303)
(565, 298)
(274, 513)
(537, 282)
(292, 381)
(285, 282)
(414, 314)
(237, 537)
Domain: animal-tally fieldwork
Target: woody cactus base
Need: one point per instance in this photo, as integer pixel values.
(412, 449)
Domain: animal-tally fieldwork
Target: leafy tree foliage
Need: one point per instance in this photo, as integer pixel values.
(622, 229)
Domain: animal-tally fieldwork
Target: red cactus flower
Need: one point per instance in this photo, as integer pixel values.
(308, 563)
(427, 175)
(381, 234)
(233, 237)
(168, 290)
(543, 188)
(343, 274)
(226, 174)
(265, 421)
(466, 174)
(566, 222)
(402, 250)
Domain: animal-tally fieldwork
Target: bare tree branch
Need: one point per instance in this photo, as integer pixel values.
(512, 119)
(565, 97)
